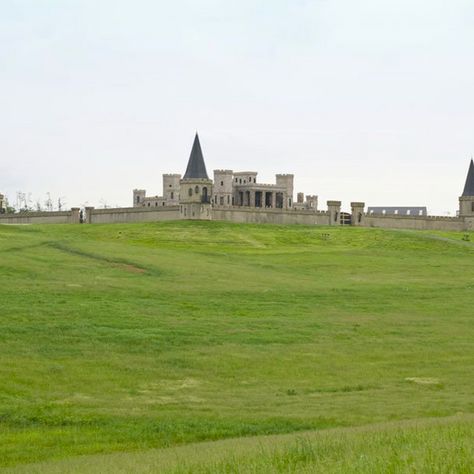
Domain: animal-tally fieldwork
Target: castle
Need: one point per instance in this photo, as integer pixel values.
(228, 188)
(239, 197)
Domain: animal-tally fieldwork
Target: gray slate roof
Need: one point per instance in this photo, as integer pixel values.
(469, 187)
(196, 166)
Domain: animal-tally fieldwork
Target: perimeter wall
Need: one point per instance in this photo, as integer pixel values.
(245, 215)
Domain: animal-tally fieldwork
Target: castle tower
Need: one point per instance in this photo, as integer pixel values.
(286, 181)
(334, 211)
(3, 204)
(138, 197)
(195, 187)
(357, 217)
(466, 201)
(171, 189)
(223, 187)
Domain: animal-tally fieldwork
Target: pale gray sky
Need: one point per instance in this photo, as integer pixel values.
(362, 100)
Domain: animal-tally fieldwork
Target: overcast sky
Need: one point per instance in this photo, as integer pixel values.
(367, 100)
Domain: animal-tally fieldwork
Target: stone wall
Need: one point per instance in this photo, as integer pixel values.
(63, 217)
(414, 222)
(244, 215)
(269, 216)
(132, 214)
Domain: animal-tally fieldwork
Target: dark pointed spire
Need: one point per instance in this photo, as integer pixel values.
(196, 166)
(469, 187)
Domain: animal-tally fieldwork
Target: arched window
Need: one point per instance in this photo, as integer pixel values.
(204, 194)
(190, 191)
(196, 189)
(172, 195)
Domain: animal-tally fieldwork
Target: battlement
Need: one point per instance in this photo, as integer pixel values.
(274, 187)
(223, 172)
(244, 173)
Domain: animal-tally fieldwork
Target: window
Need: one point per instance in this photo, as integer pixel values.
(240, 181)
(196, 189)
(408, 212)
(396, 212)
(156, 204)
(250, 179)
(222, 183)
(254, 180)
(228, 199)
(236, 180)
(244, 181)
(138, 199)
(148, 204)
(190, 191)
(221, 200)
(163, 203)
(172, 195)
(170, 185)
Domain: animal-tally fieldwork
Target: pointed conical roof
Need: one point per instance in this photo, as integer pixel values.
(469, 187)
(196, 166)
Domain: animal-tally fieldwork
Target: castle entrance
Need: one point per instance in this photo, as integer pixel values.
(346, 218)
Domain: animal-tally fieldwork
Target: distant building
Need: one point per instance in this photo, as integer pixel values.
(398, 210)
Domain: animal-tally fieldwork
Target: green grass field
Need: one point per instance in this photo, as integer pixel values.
(143, 338)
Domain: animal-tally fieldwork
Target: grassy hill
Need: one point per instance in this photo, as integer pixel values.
(129, 337)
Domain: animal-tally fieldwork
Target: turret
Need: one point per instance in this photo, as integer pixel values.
(357, 217)
(223, 181)
(466, 201)
(195, 187)
(3, 204)
(171, 188)
(138, 197)
(286, 181)
(334, 210)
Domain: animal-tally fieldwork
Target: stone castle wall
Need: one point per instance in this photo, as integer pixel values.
(270, 216)
(240, 214)
(132, 214)
(63, 217)
(415, 222)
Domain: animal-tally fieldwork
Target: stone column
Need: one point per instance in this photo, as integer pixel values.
(357, 218)
(75, 215)
(252, 199)
(334, 210)
(273, 200)
(89, 211)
